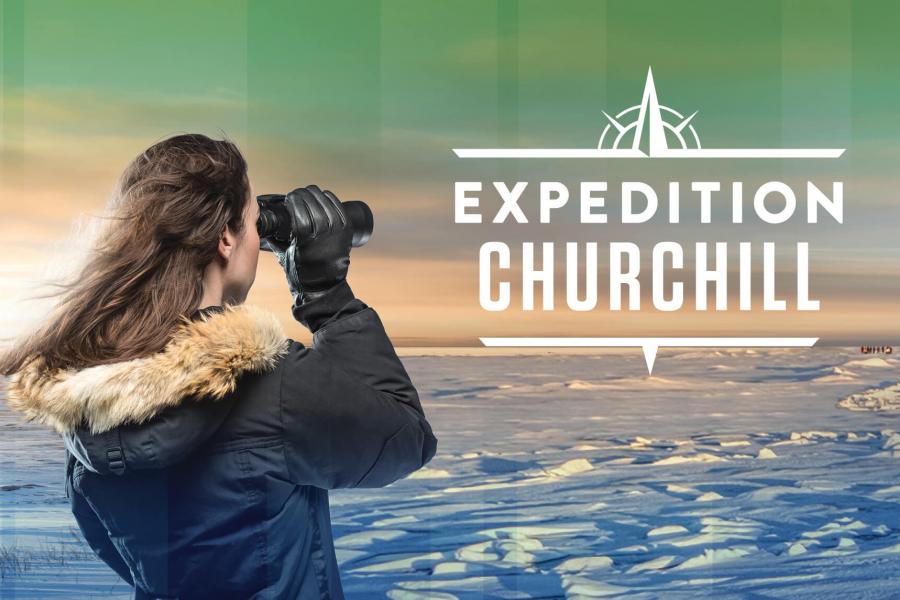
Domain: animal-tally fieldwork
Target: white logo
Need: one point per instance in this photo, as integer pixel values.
(668, 133)
(647, 130)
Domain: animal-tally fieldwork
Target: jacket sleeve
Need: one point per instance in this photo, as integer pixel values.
(352, 417)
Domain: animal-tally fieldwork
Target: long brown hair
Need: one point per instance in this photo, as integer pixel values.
(143, 276)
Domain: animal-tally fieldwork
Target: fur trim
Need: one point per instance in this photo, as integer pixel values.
(203, 359)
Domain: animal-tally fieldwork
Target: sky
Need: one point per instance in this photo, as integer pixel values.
(368, 99)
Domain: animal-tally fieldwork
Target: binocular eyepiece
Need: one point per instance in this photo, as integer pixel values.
(275, 222)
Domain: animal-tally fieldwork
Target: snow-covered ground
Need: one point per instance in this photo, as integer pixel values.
(744, 474)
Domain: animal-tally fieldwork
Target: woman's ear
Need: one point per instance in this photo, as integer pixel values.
(227, 243)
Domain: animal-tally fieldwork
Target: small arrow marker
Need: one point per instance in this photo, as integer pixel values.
(650, 356)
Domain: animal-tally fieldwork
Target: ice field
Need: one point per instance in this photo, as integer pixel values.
(729, 474)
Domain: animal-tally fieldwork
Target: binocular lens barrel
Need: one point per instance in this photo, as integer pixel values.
(274, 221)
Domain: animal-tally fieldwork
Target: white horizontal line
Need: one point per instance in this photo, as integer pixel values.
(754, 153)
(649, 345)
(640, 342)
(546, 153)
(690, 153)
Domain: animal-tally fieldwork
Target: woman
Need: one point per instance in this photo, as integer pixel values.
(201, 442)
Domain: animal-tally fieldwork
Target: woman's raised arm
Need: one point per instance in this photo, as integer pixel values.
(352, 417)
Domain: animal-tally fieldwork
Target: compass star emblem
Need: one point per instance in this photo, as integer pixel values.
(649, 130)
(659, 124)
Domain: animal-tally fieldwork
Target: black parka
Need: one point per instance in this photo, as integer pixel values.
(223, 493)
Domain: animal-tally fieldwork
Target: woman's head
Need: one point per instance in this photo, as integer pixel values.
(181, 230)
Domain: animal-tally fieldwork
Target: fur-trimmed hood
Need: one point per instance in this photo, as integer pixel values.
(203, 359)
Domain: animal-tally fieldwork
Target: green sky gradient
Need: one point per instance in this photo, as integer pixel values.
(368, 98)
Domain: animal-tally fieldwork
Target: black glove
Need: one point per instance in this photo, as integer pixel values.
(319, 261)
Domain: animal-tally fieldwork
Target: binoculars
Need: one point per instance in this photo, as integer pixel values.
(274, 222)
